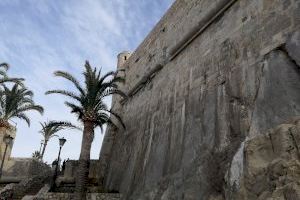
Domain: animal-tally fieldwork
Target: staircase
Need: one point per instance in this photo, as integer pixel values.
(68, 186)
(29, 186)
(32, 190)
(65, 191)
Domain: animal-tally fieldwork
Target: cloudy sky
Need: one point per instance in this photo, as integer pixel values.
(38, 37)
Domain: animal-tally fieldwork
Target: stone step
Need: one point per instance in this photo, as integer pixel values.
(70, 188)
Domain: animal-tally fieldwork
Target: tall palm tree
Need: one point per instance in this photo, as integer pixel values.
(50, 128)
(87, 103)
(3, 76)
(15, 102)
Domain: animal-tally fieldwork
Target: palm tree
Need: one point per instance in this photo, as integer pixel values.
(91, 110)
(50, 128)
(15, 102)
(4, 78)
(36, 155)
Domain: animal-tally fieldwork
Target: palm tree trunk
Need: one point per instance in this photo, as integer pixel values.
(44, 148)
(84, 161)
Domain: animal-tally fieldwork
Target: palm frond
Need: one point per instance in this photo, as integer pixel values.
(3, 73)
(53, 136)
(30, 107)
(62, 124)
(50, 128)
(71, 78)
(16, 101)
(111, 73)
(112, 91)
(4, 65)
(115, 115)
(24, 117)
(64, 92)
(75, 109)
(15, 80)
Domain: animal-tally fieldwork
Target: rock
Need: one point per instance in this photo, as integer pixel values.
(271, 165)
(26, 186)
(7, 191)
(28, 197)
(293, 46)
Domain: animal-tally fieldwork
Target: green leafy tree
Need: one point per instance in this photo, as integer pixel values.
(49, 130)
(89, 106)
(15, 102)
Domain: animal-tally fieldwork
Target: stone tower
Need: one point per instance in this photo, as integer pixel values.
(122, 58)
(116, 106)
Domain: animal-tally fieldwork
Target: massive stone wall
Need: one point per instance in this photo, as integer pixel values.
(209, 77)
(71, 167)
(21, 168)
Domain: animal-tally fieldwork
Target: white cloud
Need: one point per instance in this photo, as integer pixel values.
(39, 37)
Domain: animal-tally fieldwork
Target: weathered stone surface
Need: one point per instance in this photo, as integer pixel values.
(66, 181)
(22, 168)
(271, 167)
(3, 132)
(71, 167)
(293, 46)
(27, 186)
(67, 196)
(28, 176)
(211, 76)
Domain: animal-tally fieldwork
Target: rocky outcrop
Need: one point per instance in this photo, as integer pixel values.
(29, 176)
(28, 186)
(268, 166)
(209, 79)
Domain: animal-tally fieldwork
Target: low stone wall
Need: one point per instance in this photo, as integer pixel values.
(66, 196)
(71, 166)
(24, 167)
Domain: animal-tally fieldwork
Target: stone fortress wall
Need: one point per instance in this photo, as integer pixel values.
(207, 87)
